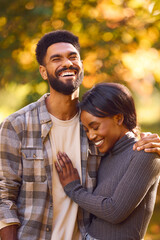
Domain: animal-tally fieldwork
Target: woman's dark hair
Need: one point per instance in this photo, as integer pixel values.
(109, 99)
(54, 37)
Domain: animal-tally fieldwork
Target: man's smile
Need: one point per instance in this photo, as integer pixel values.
(67, 73)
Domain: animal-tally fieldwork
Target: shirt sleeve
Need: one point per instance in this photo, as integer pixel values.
(3, 225)
(142, 173)
(10, 172)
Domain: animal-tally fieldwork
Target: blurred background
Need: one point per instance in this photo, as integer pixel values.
(120, 42)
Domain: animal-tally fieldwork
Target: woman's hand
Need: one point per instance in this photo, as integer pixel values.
(66, 172)
(149, 143)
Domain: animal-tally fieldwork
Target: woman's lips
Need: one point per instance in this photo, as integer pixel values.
(99, 143)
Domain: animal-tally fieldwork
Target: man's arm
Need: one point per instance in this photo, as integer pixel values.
(148, 142)
(9, 232)
(10, 173)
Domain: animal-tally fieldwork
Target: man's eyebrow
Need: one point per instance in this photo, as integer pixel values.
(73, 53)
(59, 55)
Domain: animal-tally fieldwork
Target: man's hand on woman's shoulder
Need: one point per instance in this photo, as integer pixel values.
(148, 142)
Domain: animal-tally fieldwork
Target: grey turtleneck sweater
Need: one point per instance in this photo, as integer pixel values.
(123, 201)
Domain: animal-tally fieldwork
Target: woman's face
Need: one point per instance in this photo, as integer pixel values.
(104, 132)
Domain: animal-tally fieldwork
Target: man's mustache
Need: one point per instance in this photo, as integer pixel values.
(65, 68)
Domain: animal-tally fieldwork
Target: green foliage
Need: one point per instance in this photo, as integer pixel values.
(119, 39)
(119, 42)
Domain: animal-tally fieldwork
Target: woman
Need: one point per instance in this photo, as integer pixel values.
(123, 201)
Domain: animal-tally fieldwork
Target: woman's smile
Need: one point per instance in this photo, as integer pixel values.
(103, 132)
(99, 143)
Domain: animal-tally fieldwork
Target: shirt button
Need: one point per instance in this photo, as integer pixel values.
(47, 229)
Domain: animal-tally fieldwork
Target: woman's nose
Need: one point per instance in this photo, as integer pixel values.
(92, 136)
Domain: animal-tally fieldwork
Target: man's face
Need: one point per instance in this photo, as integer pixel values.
(64, 67)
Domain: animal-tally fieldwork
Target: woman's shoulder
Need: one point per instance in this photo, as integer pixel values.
(146, 155)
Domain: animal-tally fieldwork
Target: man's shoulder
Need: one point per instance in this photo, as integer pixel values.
(30, 110)
(22, 112)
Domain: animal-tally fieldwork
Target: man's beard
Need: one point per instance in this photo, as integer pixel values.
(65, 88)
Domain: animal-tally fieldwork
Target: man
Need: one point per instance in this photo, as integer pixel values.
(33, 204)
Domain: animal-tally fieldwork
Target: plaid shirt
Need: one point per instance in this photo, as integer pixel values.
(26, 172)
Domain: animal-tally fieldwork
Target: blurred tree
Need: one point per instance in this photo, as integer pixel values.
(119, 40)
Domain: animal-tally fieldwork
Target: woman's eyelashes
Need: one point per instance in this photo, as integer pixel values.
(93, 128)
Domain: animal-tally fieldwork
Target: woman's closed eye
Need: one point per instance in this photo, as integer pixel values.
(95, 128)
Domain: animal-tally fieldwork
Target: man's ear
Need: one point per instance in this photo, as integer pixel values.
(82, 64)
(119, 118)
(43, 72)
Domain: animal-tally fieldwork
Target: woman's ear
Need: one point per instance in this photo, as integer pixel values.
(119, 118)
(43, 72)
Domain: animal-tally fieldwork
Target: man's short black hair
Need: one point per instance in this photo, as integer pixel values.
(54, 37)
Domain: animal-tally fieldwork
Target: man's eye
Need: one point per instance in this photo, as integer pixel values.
(73, 57)
(55, 59)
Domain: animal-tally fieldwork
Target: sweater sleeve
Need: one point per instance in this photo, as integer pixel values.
(142, 173)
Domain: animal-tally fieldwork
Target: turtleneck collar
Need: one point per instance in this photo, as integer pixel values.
(122, 143)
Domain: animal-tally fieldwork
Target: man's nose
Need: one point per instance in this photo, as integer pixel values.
(67, 63)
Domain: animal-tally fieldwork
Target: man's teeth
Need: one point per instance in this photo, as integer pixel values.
(98, 143)
(67, 74)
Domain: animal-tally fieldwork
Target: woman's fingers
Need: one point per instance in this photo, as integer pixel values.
(58, 168)
(66, 172)
(68, 162)
(65, 163)
(60, 159)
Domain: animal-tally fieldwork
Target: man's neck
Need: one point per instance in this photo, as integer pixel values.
(63, 107)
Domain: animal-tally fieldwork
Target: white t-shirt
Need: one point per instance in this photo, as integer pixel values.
(65, 137)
